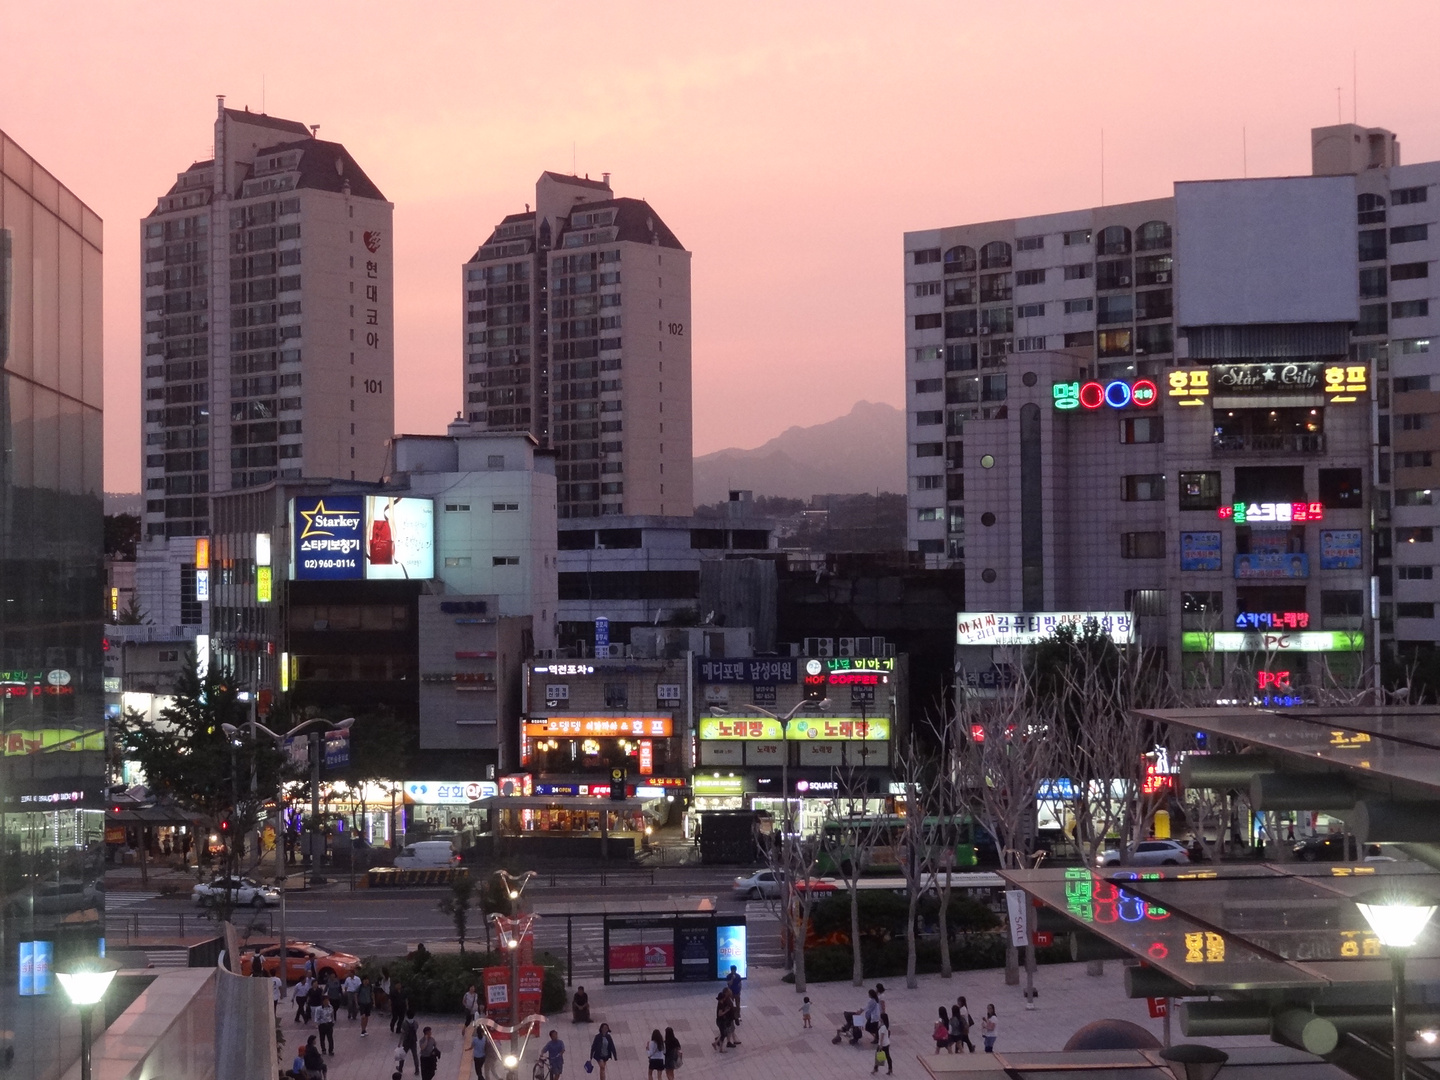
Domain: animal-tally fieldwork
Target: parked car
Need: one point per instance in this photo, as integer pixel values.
(1336, 847)
(426, 855)
(341, 963)
(56, 898)
(763, 884)
(1148, 853)
(244, 892)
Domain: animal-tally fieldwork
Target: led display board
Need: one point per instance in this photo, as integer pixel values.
(360, 537)
(1279, 641)
(1116, 393)
(574, 727)
(1271, 513)
(1027, 628)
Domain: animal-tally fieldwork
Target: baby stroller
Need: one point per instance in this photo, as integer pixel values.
(850, 1028)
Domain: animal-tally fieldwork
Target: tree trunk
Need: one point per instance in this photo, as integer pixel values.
(1095, 967)
(797, 939)
(946, 970)
(911, 981)
(857, 969)
(1012, 965)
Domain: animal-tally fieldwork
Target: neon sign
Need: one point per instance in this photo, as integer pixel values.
(1190, 387)
(1092, 900)
(1256, 513)
(1278, 680)
(1343, 383)
(1288, 641)
(1117, 393)
(1272, 620)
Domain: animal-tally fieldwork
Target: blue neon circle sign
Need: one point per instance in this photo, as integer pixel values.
(1117, 394)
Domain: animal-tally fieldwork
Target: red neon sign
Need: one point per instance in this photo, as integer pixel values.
(1273, 680)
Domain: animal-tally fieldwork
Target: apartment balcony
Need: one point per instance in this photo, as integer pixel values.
(1262, 443)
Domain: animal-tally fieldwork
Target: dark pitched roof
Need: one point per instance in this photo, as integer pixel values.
(508, 219)
(636, 220)
(318, 168)
(583, 181)
(245, 116)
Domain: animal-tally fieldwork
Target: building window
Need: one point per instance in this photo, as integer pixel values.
(960, 260)
(1030, 311)
(1114, 240)
(1075, 307)
(929, 513)
(457, 560)
(1409, 195)
(929, 483)
(995, 255)
(1199, 490)
(1409, 309)
(1145, 602)
(925, 255)
(1415, 611)
(617, 696)
(1029, 243)
(929, 416)
(1142, 429)
(1373, 282)
(1116, 342)
(1030, 344)
(1116, 309)
(927, 322)
(1370, 209)
(1142, 487)
(504, 508)
(1153, 236)
(1081, 339)
(457, 508)
(1077, 236)
(1409, 234)
(1372, 320)
(1142, 545)
(1414, 497)
(960, 323)
(928, 288)
(1421, 535)
(1407, 272)
(1030, 277)
(1201, 610)
(495, 461)
(1408, 384)
(992, 388)
(929, 449)
(1340, 488)
(1415, 573)
(1413, 459)
(1372, 244)
(1155, 338)
(505, 560)
(929, 386)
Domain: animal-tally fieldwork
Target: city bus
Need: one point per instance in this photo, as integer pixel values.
(974, 846)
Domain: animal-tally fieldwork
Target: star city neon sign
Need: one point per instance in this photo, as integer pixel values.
(1117, 393)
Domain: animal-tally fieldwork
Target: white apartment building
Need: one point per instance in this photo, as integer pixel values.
(268, 322)
(559, 301)
(1303, 307)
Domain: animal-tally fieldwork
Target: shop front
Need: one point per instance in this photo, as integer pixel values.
(562, 827)
(564, 748)
(442, 809)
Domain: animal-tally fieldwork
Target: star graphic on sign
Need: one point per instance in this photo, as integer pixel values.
(319, 511)
(1269, 374)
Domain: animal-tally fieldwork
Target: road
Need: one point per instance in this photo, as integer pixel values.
(393, 921)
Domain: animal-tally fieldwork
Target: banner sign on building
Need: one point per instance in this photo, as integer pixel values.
(399, 538)
(1275, 641)
(337, 749)
(1028, 628)
(578, 727)
(807, 728)
(767, 671)
(359, 537)
(449, 792)
(1340, 549)
(743, 727)
(1200, 551)
(49, 740)
(1278, 378)
(1268, 565)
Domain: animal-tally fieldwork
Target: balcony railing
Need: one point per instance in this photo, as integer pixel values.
(1304, 443)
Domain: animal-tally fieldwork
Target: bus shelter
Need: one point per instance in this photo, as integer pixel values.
(658, 940)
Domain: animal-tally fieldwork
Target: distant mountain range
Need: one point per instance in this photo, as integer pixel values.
(863, 451)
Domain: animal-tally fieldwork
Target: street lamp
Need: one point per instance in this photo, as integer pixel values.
(1191, 1061)
(1398, 918)
(512, 931)
(280, 873)
(85, 983)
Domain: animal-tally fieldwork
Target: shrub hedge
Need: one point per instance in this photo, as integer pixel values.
(968, 952)
(435, 982)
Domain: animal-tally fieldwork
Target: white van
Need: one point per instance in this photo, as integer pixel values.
(425, 855)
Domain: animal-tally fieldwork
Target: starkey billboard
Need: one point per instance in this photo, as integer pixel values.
(362, 537)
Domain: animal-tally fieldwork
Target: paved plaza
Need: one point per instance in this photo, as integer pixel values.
(772, 1041)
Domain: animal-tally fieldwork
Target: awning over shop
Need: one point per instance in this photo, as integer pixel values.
(557, 802)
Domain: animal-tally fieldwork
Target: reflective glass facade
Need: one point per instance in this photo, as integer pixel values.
(51, 593)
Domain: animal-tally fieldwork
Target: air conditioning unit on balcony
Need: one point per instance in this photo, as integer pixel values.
(1162, 277)
(984, 330)
(1124, 281)
(847, 647)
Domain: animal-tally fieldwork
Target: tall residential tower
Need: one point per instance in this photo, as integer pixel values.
(558, 306)
(268, 321)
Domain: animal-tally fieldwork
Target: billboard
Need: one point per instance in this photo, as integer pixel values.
(1200, 551)
(1269, 565)
(1273, 641)
(1340, 549)
(362, 537)
(1027, 628)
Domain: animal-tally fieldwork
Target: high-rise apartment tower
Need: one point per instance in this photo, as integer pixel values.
(268, 321)
(558, 306)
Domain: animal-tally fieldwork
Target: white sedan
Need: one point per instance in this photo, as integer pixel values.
(763, 884)
(1148, 853)
(244, 892)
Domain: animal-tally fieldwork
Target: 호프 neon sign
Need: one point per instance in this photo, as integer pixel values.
(1242, 513)
(1116, 393)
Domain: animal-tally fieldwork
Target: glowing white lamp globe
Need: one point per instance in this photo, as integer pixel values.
(1397, 919)
(85, 983)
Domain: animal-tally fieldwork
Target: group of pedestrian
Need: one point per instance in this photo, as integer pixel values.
(727, 1011)
(316, 998)
(867, 1020)
(952, 1030)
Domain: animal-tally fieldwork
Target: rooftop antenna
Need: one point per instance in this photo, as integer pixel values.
(1339, 117)
(1244, 153)
(262, 93)
(1102, 166)
(314, 131)
(1354, 87)
(574, 168)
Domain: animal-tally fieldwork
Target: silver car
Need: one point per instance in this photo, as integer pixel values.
(244, 892)
(1148, 853)
(763, 884)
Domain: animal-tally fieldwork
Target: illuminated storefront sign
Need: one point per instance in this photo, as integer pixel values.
(1272, 680)
(1344, 383)
(806, 729)
(1296, 378)
(1189, 387)
(1116, 393)
(763, 671)
(1271, 513)
(1299, 641)
(449, 792)
(718, 785)
(202, 585)
(725, 727)
(860, 663)
(1267, 565)
(1272, 620)
(565, 669)
(1027, 628)
(49, 740)
(264, 584)
(355, 537)
(857, 678)
(600, 727)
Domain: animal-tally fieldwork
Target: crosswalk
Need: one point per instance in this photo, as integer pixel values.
(122, 901)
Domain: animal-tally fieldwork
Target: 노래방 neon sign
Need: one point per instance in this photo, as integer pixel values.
(1117, 393)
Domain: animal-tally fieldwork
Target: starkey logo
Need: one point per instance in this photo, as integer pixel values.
(323, 522)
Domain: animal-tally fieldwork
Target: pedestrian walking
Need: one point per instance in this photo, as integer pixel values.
(313, 998)
(960, 1024)
(872, 1016)
(410, 1037)
(941, 1034)
(725, 1020)
(989, 1028)
(673, 1054)
(655, 1055)
(602, 1049)
(399, 1062)
(554, 1053)
(351, 989)
(302, 1001)
(325, 1023)
(882, 1046)
(469, 1003)
(429, 1055)
(477, 1051)
(365, 1002)
(734, 981)
(805, 1013)
(277, 992)
(397, 1006)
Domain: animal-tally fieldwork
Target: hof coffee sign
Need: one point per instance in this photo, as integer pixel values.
(1277, 378)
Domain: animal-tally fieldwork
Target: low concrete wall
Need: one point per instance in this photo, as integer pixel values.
(168, 1032)
(244, 1028)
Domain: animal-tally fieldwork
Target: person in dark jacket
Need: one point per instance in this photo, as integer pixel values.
(602, 1049)
(314, 1061)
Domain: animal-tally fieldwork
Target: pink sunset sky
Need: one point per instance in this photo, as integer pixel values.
(788, 145)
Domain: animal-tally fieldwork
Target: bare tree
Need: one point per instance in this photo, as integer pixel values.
(849, 836)
(794, 859)
(915, 771)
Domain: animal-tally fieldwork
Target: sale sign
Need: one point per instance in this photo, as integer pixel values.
(1159, 1007)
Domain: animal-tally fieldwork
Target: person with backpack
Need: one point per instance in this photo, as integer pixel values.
(429, 1055)
(410, 1037)
(602, 1049)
